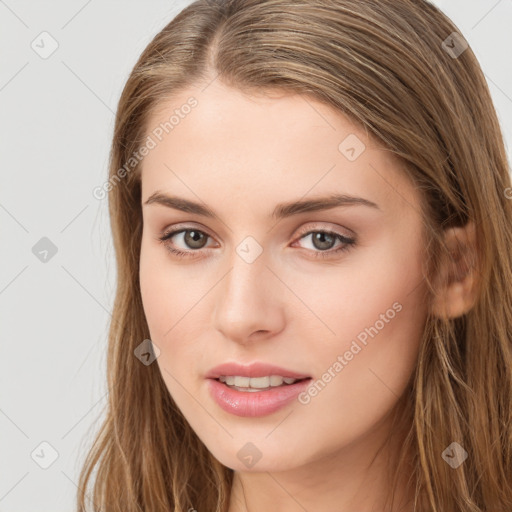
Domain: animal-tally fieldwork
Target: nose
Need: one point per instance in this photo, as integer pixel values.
(249, 302)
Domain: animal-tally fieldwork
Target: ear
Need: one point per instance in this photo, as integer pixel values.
(457, 282)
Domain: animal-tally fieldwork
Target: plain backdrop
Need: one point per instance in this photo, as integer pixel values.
(63, 66)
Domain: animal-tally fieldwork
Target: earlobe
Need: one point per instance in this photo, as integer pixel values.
(457, 282)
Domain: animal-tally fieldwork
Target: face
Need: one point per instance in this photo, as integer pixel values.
(332, 294)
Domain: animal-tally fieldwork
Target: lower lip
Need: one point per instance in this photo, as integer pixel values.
(255, 403)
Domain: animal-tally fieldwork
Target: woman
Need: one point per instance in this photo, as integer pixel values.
(310, 205)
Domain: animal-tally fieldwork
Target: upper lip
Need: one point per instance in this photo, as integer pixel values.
(256, 369)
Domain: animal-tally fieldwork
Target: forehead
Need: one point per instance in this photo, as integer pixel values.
(263, 148)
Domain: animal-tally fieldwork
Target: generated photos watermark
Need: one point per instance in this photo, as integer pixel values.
(151, 142)
(342, 361)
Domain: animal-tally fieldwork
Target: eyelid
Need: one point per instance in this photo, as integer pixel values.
(320, 226)
(184, 227)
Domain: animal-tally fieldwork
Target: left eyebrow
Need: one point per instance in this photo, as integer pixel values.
(281, 211)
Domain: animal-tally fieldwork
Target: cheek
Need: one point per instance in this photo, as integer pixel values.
(377, 311)
(362, 376)
(174, 302)
(154, 291)
(162, 300)
(167, 290)
(365, 290)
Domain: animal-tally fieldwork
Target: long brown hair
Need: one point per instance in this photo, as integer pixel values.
(386, 64)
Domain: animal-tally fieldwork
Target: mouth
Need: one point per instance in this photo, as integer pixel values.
(254, 389)
(255, 396)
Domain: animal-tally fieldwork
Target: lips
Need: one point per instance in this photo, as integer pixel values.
(256, 369)
(256, 403)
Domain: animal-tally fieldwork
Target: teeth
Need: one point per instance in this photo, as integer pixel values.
(241, 382)
(256, 382)
(276, 380)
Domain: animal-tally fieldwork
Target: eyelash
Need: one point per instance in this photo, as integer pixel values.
(348, 243)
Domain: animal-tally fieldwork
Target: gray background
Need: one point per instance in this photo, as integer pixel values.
(55, 132)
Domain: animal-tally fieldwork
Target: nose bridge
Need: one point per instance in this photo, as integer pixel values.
(248, 265)
(244, 301)
(246, 280)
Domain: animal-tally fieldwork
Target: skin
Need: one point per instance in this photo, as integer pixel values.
(241, 155)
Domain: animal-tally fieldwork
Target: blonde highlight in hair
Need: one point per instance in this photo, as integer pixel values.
(382, 64)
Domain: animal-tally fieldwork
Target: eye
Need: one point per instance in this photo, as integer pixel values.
(194, 239)
(323, 241)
